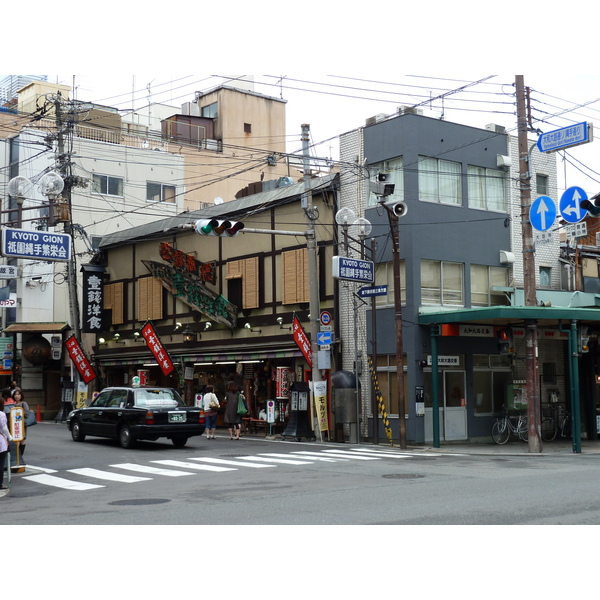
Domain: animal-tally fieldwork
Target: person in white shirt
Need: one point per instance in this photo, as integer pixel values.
(5, 438)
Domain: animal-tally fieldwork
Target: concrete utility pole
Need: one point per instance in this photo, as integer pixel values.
(533, 399)
(313, 259)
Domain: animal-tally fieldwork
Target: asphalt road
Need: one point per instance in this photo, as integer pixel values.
(255, 481)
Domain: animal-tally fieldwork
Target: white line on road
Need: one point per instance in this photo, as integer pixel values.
(59, 482)
(281, 461)
(150, 470)
(235, 463)
(189, 465)
(96, 473)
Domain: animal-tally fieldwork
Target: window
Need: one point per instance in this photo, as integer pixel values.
(159, 192)
(541, 184)
(384, 275)
(247, 128)
(149, 299)
(387, 378)
(211, 111)
(439, 181)
(114, 300)
(545, 276)
(483, 279)
(243, 282)
(487, 189)
(490, 387)
(107, 186)
(294, 269)
(390, 171)
(442, 283)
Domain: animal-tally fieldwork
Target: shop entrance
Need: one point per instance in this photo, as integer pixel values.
(453, 406)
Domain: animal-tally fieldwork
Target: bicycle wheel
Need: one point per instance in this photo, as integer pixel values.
(500, 431)
(548, 429)
(522, 429)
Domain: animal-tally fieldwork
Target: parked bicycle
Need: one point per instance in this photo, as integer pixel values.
(507, 424)
(551, 429)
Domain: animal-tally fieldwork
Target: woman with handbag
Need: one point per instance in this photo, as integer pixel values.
(211, 406)
(232, 417)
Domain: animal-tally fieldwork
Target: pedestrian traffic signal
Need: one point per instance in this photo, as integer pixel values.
(583, 339)
(592, 205)
(218, 227)
(505, 341)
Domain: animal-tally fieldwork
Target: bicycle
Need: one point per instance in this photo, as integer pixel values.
(504, 426)
(565, 424)
(550, 428)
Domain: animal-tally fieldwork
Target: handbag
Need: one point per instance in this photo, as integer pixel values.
(214, 403)
(241, 407)
(30, 419)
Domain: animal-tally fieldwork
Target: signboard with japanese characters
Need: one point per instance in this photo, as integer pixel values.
(92, 301)
(302, 340)
(17, 423)
(158, 350)
(80, 360)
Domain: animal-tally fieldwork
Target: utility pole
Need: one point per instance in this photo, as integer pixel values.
(533, 406)
(313, 260)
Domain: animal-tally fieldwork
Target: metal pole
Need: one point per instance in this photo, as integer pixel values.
(575, 412)
(313, 260)
(374, 404)
(435, 401)
(533, 410)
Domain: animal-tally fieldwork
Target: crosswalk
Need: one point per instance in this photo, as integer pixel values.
(85, 479)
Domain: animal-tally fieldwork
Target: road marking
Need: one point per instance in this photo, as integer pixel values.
(281, 461)
(235, 463)
(42, 469)
(189, 465)
(151, 470)
(318, 456)
(59, 482)
(350, 455)
(109, 476)
(376, 453)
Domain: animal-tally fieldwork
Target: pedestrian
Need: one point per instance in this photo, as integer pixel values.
(14, 386)
(8, 399)
(17, 395)
(232, 419)
(211, 406)
(5, 438)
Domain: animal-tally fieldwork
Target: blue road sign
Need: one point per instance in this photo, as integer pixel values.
(40, 245)
(324, 338)
(353, 269)
(378, 290)
(570, 204)
(573, 135)
(542, 213)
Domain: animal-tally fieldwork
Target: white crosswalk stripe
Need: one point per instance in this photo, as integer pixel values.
(235, 463)
(274, 459)
(348, 455)
(61, 482)
(151, 470)
(314, 456)
(108, 476)
(189, 465)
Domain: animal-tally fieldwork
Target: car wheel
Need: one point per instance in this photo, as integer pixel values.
(77, 431)
(126, 438)
(179, 441)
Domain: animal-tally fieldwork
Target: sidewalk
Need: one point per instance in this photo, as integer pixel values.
(516, 448)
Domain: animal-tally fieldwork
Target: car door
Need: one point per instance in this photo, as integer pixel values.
(91, 416)
(109, 420)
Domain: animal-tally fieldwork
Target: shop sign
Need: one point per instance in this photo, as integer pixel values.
(186, 262)
(194, 293)
(158, 350)
(17, 418)
(445, 361)
(320, 395)
(92, 302)
(302, 340)
(80, 360)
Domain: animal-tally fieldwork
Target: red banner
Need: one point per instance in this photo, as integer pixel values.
(156, 347)
(302, 340)
(79, 358)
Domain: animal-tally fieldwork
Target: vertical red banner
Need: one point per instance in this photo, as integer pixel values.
(302, 340)
(160, 354)
(79, 358)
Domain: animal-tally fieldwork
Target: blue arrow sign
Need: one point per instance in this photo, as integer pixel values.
(542, 213)
(324, 338)
(379, 290)
(570, 204)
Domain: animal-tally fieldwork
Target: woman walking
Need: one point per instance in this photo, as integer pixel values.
(232, 419)
(211, 406)
(5, 438)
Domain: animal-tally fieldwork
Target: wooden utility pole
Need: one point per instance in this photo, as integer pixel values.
(533, 399)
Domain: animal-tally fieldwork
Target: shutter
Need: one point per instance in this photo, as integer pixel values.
(250, 283)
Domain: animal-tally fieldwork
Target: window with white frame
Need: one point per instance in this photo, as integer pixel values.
(393, 172)
(546, 277)
(487, 189)
(483, 281)
(106, 185)
(384, 275)
(160, 192)
(541, 184)
(442, 283)
(439, 181)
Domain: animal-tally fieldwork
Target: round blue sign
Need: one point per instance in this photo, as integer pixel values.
(542, 213)
(570, 204)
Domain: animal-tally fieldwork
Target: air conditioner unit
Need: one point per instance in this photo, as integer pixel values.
(495, 128)
(503, 161)
(409, 110)
(375, 119)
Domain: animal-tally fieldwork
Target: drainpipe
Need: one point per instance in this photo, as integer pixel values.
(435, 401)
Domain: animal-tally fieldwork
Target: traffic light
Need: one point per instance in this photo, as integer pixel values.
(592, 205)
(505, 341)
(218, 227)
(583, 339)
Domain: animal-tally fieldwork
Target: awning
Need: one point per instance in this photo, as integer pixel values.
(506, 315)
(36, 328)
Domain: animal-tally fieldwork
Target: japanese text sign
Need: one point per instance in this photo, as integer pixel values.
(80, 360)
(156, 347)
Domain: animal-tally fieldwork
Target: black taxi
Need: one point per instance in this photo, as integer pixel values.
(136, 413)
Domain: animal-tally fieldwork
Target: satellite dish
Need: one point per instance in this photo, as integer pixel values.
(51, 184)
(19, 186)
(218, 200)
